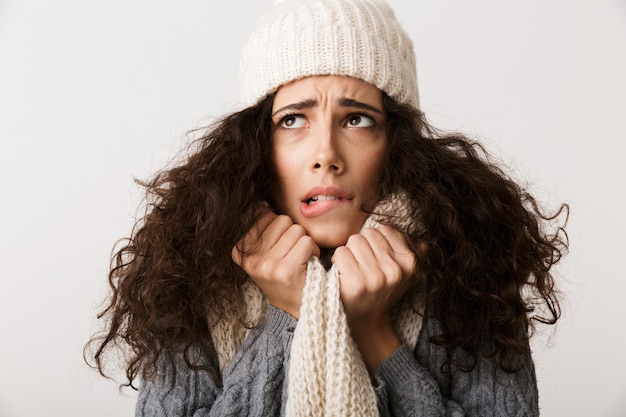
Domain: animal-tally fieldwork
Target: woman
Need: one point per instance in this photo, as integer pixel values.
(324, 251)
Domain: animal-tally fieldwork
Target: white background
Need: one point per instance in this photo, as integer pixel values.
(96, 93)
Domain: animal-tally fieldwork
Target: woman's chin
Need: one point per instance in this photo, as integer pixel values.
(331, 233)
(330, 239)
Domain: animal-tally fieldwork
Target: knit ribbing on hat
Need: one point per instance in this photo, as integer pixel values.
(357, 38)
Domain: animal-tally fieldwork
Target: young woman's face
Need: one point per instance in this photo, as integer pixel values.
(329, 143)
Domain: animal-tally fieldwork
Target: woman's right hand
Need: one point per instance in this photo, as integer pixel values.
(274, 253)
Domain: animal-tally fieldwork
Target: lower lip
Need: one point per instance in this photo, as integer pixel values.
(320, 207)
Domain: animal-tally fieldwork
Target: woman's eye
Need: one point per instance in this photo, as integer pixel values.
(292, 122)
(360, 120)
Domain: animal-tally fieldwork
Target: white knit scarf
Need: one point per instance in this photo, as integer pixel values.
(327, 376)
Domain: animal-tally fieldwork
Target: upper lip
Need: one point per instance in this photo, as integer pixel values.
(328, 191)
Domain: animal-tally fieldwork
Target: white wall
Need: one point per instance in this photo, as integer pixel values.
(95, 93)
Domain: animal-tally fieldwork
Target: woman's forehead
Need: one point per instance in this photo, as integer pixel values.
(328, 87)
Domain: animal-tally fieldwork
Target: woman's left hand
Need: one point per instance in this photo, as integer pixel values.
(375, 269)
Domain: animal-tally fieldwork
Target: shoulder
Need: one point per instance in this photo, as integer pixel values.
(183, 361)
(183, 380)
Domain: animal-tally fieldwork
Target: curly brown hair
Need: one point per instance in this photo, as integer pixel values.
(485, 275)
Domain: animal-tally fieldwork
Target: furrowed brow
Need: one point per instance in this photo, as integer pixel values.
(348, 102)
(301, 105)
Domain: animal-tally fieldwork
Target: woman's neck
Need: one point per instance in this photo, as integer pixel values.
(325, 257)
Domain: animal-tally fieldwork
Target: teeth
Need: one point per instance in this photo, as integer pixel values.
(323, 198)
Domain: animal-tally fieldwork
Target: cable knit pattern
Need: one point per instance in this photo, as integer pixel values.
(317, 369)
(357, 38)
(327, 374)
(228, 335)
(410, 383)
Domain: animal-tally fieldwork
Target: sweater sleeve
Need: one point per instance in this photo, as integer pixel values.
(252, 385)
(420, 384)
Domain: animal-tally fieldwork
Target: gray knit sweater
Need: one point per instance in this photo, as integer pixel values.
(407, 384)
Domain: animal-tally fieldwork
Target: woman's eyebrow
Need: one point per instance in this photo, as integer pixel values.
(301, 105)
(348, 102)
(343, 102)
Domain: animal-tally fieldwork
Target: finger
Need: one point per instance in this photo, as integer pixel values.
(304, 248)
(381, 249)
(397, 240)
(275, 230)
(400, 250)
(344, 258)
(265, 233)
(250, 240)
(359, 269)
(265, 217)
(235, 253)
(386, 259)
(289, 238)
(286, 261)
(349, 272)
(362, 250)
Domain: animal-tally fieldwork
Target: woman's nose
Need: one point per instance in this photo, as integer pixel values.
(327, 155)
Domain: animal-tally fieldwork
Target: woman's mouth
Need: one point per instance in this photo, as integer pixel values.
(323, 199)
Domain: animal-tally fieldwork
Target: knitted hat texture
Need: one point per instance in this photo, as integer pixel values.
(301, 38)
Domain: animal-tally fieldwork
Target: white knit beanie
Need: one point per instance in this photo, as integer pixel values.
(357, 38)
